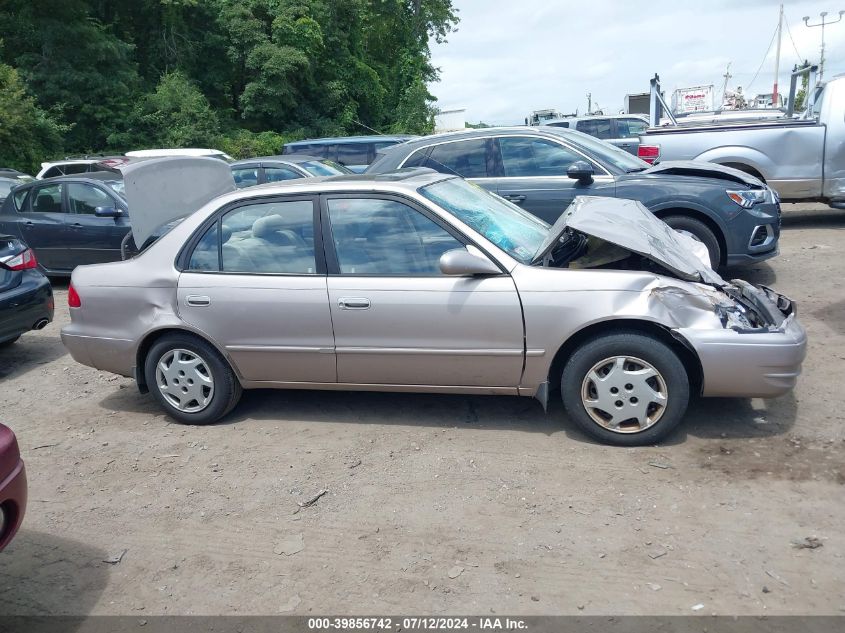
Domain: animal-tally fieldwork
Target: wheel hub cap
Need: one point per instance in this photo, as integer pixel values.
(624, 394)
(184, 380)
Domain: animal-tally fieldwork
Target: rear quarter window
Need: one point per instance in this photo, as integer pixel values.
(19, 198)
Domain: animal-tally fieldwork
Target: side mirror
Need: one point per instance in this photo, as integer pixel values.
(582, 171)
(108, 212)
(460, 262)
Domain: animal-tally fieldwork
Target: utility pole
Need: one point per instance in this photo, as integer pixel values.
(775, 103)
(822, 24)
(727, 77)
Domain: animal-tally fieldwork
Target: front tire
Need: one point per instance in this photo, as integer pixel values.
(698, 230)
(190, 379)
(627, 389)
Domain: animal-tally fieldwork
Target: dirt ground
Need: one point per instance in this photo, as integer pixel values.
(434, 504)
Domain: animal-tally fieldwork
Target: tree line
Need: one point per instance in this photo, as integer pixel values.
(245, 76)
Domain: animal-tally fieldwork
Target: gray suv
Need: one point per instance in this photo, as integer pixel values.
(622, 130)
(543, 169)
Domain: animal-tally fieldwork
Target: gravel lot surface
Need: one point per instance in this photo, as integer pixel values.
(434, 504)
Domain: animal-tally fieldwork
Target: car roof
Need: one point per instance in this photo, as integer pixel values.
(641, 117)
(95, 176)
(287, 158)
(398, 138)
(183, 151)
(407, 178)
(70, 161)
(535, 130)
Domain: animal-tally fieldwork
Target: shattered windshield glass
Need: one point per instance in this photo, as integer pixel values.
(515, 231)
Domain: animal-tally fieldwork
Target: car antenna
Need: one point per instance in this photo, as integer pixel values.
(368, 127)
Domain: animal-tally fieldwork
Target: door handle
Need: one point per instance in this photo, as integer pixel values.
(76, 225)
(197, 300)
(353, 303)
(517, 198)
(29, 224)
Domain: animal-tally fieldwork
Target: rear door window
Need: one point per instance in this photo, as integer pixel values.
(600, 128)
(630, 128)
(75, 168)
(354, 154)
(467, 159)
(526, 157)
(245, 176)
(278, 174)
(270, 237)
(48, 199)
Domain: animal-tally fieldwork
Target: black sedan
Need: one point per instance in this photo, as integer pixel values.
(542, 169)
(26, 298)
(69, 220)
(257, 171)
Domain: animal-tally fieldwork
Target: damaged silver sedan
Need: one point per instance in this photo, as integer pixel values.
(415, 281)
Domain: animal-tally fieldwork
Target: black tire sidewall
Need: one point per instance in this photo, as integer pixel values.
(703, 232)
(642, 346)
(226, 386)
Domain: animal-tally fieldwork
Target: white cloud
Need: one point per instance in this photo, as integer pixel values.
(508, 58)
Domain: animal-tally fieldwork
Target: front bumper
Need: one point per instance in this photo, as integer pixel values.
(755, 233)
(749, 364)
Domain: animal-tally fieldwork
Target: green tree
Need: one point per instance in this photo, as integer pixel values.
(177, 114)
(28, 134)
(73, 65)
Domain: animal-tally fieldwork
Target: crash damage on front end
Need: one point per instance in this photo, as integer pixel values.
(746, 337)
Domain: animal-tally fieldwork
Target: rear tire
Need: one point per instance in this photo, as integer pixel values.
(700, 231)
(190, 379)
(604, 396)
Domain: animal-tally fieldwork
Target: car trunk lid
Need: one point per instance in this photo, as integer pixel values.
(161, 190)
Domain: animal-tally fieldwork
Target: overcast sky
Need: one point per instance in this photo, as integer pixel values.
(509, 57)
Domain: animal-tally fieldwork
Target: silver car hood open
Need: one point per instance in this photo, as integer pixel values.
(161, 190)
(628, 224)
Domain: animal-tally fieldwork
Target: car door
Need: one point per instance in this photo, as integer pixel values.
(627, 134)
(397, 319)
(534, 175)
(91, 239)
(255, 282)
(41, 220)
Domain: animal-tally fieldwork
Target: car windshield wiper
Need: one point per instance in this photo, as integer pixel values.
(634, 170)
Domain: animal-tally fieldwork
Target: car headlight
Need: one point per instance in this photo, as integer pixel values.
(747, 198)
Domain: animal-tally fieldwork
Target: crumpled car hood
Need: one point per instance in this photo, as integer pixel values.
(704, 169)
(628, 224)
(161, 190)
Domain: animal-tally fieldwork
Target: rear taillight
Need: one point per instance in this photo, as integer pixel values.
(649, 153)
(73, 299)
(21, 261)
